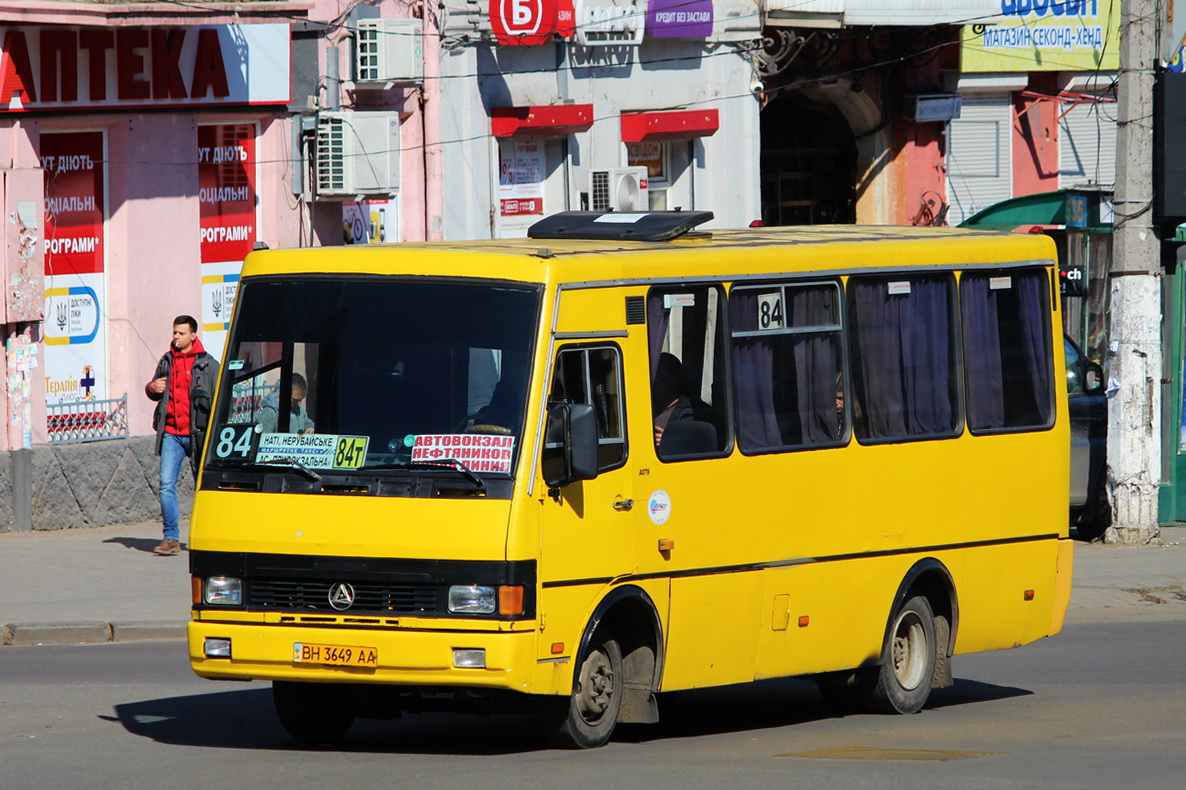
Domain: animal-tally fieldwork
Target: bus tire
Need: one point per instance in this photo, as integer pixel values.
(903, 681)
(313, 712)
(591, 713)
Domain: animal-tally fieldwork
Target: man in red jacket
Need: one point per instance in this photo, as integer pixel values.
(182, 386)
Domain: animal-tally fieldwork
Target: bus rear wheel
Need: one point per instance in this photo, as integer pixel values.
(903, 681)
(591, 713)
(313, 712)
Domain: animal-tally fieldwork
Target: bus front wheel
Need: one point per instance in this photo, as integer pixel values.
(903, 681)
(313, 712)
(591, 713)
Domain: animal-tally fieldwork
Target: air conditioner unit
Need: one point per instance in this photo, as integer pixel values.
(619, 189)
(388, 52)
(357, 154)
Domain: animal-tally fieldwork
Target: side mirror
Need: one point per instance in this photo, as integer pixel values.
(1093, 378)
(570, 444)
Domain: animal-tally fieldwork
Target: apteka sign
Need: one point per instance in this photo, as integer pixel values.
(57, 68)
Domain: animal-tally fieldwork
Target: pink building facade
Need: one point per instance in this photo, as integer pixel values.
(146, 149)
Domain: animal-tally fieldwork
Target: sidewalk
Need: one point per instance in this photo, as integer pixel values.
(92, 585)
(105, 584)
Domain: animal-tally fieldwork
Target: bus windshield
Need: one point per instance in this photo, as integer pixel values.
(367, 374)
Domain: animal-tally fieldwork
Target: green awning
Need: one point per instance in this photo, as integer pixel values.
(1042, 209)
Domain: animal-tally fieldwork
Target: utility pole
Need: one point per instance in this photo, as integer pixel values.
(1134, 350)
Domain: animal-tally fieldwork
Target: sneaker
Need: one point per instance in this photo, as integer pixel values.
(168, 548)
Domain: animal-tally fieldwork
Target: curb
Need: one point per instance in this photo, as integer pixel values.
(89, 632)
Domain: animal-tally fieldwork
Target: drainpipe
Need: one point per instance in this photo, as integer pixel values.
(430, 114)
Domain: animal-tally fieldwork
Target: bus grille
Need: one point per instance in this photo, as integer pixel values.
(306, 595)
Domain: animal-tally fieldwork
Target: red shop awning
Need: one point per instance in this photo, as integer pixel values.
(543, 120)
(671, 125)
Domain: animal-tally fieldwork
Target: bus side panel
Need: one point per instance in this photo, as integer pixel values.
(812, 622)
(711, 639)
(993, 589)
(566, 612)
(1062, 594)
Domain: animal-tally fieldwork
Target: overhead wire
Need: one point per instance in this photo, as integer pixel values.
(722, 49)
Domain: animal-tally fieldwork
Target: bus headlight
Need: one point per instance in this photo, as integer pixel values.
(472, 599)
(223, 591)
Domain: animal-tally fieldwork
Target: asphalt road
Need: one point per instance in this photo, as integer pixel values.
(1101, 705)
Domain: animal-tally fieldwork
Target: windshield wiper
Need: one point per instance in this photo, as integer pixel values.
(448, 464)
(286, 463)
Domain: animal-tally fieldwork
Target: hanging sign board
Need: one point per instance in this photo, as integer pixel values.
(227, 218)
(75, 292)
(68, 68)
(528, 23)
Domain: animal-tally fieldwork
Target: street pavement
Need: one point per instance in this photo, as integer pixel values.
(104, 584)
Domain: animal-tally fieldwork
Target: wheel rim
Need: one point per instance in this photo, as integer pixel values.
(909, 651)
(597, 687)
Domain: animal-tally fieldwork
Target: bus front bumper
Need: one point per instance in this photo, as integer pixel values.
(259, 651)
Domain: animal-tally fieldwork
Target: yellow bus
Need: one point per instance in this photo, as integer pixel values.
(623, 457)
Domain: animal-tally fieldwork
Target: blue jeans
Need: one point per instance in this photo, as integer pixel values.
(174, 450)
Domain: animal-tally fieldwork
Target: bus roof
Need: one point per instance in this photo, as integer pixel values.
(719, 254)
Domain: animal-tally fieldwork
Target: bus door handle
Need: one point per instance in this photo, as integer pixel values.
(623, 504)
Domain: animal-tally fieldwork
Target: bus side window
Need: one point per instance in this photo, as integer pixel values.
(689, 392)
(593, 375)
(788, 365)
(903, 356)
(1006, 323)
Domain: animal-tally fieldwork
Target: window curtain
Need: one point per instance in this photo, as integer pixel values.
(817, 363)
(903, 357)
(987, 321)
(753, 376)
(785, 377)
(1031, 292)
(982, 354)
(658, 319)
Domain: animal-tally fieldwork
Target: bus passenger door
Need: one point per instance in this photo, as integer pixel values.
(586, 527)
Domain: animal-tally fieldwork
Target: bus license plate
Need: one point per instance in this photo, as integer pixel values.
(336, 655)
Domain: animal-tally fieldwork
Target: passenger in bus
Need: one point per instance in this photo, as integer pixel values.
(668, 404)
(298, 419)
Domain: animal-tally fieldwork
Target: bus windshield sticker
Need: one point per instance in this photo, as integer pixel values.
(235, 441)
(770, 311)
(1000, 283)
(900, 288)
(480, 452)
(235, 364)
(621, 219)
(314, 450)
(679, 300)
(659, 507)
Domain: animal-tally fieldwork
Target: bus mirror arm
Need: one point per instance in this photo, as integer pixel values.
(574, 427)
